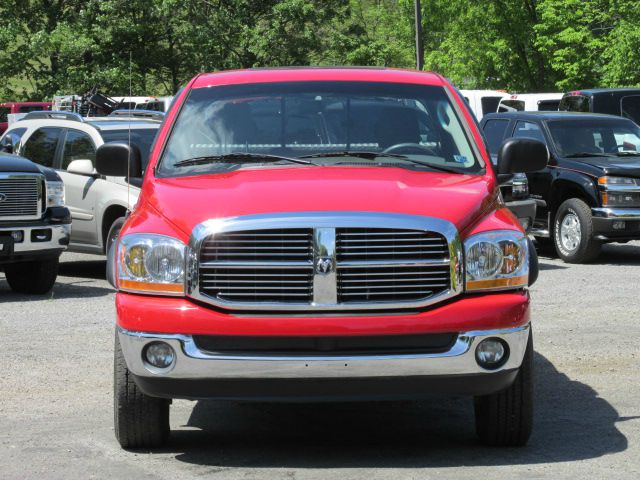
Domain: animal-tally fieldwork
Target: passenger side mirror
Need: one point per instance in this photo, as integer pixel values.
(81, 167)
(7, 144)
(118, 159)
(521, 155)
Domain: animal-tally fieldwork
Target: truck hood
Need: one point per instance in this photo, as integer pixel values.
(620, 166)
(15, 164)
(188, 201)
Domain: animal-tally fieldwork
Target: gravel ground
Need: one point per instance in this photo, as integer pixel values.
(56, 404)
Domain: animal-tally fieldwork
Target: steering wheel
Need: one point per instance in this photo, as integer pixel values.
(410, 147)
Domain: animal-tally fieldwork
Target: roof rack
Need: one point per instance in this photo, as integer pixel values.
(151, 114)
(53, 114)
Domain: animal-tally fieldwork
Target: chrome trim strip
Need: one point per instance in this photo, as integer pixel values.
(617, 213)
(193, 363)
(323, 222)
(41, 194)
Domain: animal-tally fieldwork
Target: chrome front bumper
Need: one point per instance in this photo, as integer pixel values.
(59, 238)
(617, 213)
(194, 364)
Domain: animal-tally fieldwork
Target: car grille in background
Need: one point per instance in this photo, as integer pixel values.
(19, 197)
(384, 265)
(258, 266)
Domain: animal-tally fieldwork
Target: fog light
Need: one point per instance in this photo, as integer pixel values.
(159, 355)
(492, 353)
(17, 235)
(619, 225)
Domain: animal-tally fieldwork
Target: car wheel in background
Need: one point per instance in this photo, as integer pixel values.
(573, 232)
(140, 421)
(505, 418)
(35, 277)
(110, 241)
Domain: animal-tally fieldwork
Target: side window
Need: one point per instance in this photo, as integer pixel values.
(4, 111)
(41, 146)
(77, 146)
(494, 133)
(528, 130)
(15, 135)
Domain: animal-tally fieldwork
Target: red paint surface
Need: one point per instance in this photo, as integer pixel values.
(177, 315)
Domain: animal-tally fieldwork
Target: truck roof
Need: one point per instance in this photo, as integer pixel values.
(310, 74)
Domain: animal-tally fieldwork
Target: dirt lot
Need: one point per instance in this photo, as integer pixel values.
(56, 404)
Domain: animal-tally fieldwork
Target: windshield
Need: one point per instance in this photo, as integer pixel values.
(630, 107)
(142, 137)
(601, 136)
(321, 119)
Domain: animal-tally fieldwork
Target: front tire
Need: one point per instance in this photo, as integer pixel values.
(140, 421)
(505, 418)
(573, 232)
(36, 277)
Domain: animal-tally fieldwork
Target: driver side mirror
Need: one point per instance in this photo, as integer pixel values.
(82, 167)
(521, 155)
(119, 159)
(7, 144)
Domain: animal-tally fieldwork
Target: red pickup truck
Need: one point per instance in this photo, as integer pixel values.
(19, 107)
(322, 234)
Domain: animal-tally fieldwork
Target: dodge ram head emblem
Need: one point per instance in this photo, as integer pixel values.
(3, 197)
(324, 265)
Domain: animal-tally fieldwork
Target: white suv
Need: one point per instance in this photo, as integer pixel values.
(68, 142)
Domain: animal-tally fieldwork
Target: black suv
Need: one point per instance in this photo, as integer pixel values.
(623, 102)
(34, 224)
(589, 194)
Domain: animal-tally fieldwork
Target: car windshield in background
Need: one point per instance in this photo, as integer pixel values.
(414, 125)
(606, 137)
(630, 107)
(142, 137)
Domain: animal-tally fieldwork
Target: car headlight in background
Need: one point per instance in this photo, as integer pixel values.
(151, 263)
(55, 194)
(519, 186)
(620, 191)
(496, 260)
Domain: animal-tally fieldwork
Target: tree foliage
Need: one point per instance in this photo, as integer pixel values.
(52, 47)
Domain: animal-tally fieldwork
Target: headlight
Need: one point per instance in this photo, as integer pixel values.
(497, 260)
(619, 181)
(620, 191)
(519, 186)
(150, 263)
(55, 194)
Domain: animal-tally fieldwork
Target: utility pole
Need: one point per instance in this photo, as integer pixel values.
(419, 45)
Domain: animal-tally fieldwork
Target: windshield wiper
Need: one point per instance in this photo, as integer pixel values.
(374, 155)
(358, 154)
(239, 157)
(587, 154)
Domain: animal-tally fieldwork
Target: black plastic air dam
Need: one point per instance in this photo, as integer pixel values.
(326, 346)
(325, 389)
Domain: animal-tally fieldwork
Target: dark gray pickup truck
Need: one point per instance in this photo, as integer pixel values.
(34, 224)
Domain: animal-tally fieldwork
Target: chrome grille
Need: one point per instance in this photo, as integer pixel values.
(20, 197)
(377, 264)
(331, 261)
(258, 266)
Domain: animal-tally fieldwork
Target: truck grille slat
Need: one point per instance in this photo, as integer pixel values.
(21, 196)
(370, 268)
(258, 266)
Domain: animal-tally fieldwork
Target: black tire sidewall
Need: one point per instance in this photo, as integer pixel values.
(588, 246)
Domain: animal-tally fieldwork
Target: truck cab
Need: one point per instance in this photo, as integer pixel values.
(322, 234)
